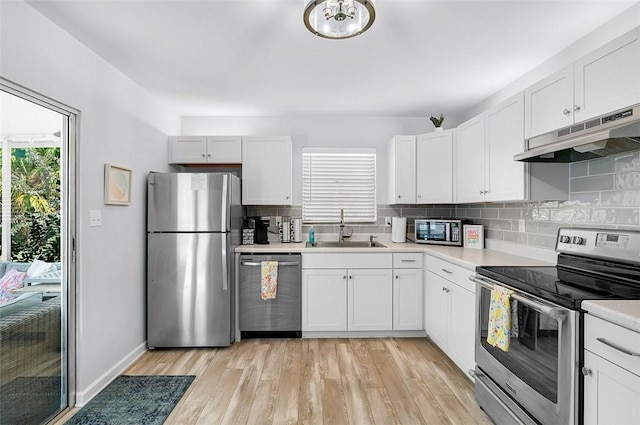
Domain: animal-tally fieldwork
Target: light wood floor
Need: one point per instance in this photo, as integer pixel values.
(317, 381)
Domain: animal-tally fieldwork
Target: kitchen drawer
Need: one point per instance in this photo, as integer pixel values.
(621, 338)
(407, 260)
(361, 260)
(458, 275)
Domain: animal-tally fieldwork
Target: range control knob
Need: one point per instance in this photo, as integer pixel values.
(565, 239)
(578, 240)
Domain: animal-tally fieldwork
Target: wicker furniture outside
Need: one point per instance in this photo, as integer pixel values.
(30, 342)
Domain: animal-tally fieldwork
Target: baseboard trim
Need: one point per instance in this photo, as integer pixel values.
(83, 397)
(364, 334)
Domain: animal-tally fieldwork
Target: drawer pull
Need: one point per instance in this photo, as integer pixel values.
(447, 271)
(408, 261)
(617, 347)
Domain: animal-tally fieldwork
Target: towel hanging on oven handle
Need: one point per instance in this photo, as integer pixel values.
(549, 311)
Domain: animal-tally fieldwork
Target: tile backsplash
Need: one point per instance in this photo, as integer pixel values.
(604, 193)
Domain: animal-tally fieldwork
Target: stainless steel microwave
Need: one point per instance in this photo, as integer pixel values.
(438, 231)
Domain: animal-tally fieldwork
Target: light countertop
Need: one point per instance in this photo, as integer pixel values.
(468, 258)
(625, 313)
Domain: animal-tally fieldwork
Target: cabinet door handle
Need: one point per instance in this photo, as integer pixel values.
(566, 111)
(446, 289)
(447, 271)
(397, 277)
(408, 261)
(203, 155)
(586, 371)
(399, 196)
(576, 108)
(617, 347)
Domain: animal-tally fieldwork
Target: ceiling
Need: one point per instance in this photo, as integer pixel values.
(256, 58)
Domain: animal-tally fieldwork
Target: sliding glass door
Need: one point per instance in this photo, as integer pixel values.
(36, 256)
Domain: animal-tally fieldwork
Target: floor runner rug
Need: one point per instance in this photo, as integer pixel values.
(133, 399)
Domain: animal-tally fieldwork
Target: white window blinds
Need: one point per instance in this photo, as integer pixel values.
(335, 179)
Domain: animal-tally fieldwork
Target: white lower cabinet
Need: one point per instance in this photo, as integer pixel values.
(450, 303)
(369, 293)
(437, 322)
(611, 374)
(324, 300)
(361, 292)
(407, 291)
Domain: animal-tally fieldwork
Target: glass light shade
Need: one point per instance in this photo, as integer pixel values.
(339, 18)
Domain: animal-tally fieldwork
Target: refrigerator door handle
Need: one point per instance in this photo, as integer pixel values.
(225, 200)
(225, 277)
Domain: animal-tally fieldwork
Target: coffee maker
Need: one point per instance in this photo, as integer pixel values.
(262, 230)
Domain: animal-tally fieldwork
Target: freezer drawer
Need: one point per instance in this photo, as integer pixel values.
(189, 296)
(281, 314)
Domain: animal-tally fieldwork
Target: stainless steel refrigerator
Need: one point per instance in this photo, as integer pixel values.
(194, 222)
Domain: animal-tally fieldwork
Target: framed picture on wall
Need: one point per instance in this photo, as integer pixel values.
(117, 185)
(473, 236)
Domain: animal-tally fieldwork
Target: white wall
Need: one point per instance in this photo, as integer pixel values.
(120, 124)
(372, 132)
(612, 29)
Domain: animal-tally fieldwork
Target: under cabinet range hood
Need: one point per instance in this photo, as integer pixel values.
(606, 135)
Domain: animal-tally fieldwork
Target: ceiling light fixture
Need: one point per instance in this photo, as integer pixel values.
(339, 19)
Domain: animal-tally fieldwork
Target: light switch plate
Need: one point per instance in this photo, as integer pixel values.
(95, 218)
(387, 221)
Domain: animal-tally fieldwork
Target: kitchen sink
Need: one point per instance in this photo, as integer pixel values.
(346, 244)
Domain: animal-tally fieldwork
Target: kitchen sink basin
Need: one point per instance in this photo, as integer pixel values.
(346, 244)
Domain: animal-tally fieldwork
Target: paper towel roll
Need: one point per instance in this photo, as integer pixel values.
(398, 229)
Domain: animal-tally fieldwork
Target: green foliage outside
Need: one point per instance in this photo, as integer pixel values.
(35, 204)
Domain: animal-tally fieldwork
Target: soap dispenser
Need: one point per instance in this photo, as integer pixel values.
(312, 235)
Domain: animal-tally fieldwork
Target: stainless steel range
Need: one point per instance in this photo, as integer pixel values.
(537, 380)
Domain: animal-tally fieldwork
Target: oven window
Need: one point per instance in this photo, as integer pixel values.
(533, 349)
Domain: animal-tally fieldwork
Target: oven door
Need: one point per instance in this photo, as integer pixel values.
(540, 369)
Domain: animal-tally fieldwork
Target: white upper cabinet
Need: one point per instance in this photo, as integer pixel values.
(267, 170)
(434, 167)
(504, 137)
(549, 104)
(603, 81)
(205, 150)
(224, 149)
(402, 170)
(470, 155)
(609, 78)
(486, 145)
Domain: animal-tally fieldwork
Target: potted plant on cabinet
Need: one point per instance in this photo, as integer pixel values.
(437, 121)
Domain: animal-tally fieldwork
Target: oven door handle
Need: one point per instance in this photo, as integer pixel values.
(549, 311)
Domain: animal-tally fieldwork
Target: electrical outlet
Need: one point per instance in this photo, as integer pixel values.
(95, 218)
(278, 221)
(387, 221)
(521, 228)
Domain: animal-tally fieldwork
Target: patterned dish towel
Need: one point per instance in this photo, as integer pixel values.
(269, 281)
(500, 318)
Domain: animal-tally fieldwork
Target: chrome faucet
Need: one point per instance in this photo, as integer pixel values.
(341, 234)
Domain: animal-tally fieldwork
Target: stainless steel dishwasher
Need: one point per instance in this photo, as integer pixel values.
(279, 317)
